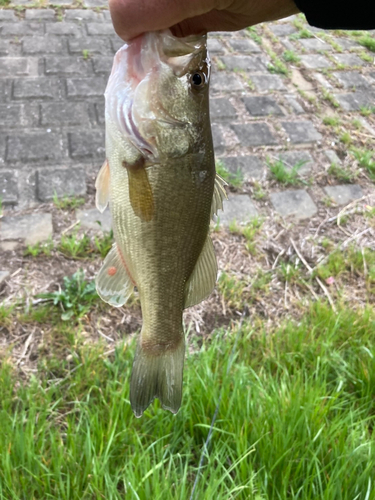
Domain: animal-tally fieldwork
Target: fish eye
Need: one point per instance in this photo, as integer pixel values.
(198, 79)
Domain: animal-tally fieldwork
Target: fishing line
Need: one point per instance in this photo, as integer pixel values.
(208, 439)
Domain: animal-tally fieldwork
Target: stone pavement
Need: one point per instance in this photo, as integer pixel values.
(279, 91)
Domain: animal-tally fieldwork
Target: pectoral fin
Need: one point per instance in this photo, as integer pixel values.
(203, 278)
(219, 195)
(102, 187)
(140, 194)
(113, 282)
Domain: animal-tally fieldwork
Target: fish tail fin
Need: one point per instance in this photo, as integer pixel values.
(157, 376)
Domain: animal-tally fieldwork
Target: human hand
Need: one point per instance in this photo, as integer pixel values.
(187, 17)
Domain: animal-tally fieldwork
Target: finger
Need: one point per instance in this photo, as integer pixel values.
(212, 21)
(133, 17)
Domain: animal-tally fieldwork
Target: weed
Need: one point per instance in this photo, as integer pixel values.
(39, 249)
(330, 98)
(288, 272)
(367, 110)
(327, 244)
(277, 65)
(332, 121)
(302, 33)
(6, 313)
(220, 65)
(345, 138)
(253, 33)
(75, 298)
(232, 290)
(258, 192)
(74, 246)
(341, 174)
(366, 57)
(365, 159)
(283, 174)
(85, 54)
(4, 3)
(328, 202)
(357, 124)
(66, 202)
(249, 231)
(234, 179)
(290, 56)
(104, 243)
(367, 41)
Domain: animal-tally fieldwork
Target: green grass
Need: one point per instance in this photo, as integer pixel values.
(295, 419)
(290, 56)
(67, 202)
(342, 174)
(253, 33)
(367, 41)
(40, 248)
(366, 159)
(249, 231)
(235, 179)
(284, 175)
(332, 121)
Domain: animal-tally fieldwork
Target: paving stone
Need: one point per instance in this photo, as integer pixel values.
(237, 208)
(16, 115)
(215, 46)
(254, 134)
(22, 28)
(86, 145)
(293, 202)
(102, 65)
(244, 45)
(4, 275)
(295, 105)
(92, 45)
(7, 15)
(65, 113)
(61, 2)
(349, 59)
(55, 65)
(100, 29)
(37, 88)
(323, 81)
(245, 63)
(44, 44)
(62, 181)
(262, 106)
(85, 87)
(95, 3)
(282, 29)
(17, 66)
(251, 167)
(293, 158)
(344, 194)
(218, 139)
(8, 187)
(314, 45)
(225, 82)
(4, 47)
(100, 112)
(33, 147)
(39, 14)
(288, 45)
(83, 15)
(64, 28)
(351, 79)
(315, 61)
(301, 132)
(347, 44)
(30, 229)
(221, 109)
(332, 157)
(264, 82)
(355, 100)
(90, 217)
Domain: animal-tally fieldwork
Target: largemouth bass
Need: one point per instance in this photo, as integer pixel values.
(159, 179)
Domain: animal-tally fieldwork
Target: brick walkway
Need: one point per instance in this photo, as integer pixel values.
(273, 88)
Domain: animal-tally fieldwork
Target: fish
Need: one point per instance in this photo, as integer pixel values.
(160, 183)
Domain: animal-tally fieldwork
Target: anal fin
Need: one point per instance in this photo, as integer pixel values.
(203, 278)
(113, 283)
